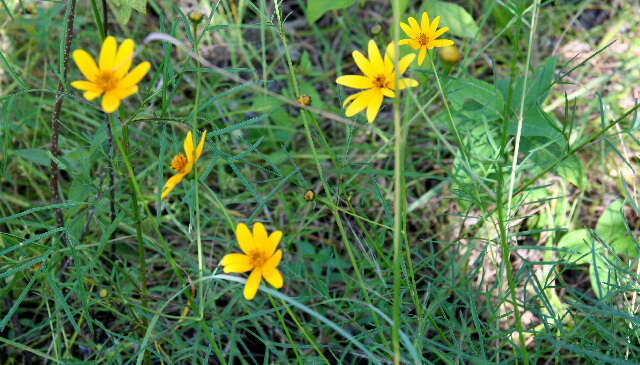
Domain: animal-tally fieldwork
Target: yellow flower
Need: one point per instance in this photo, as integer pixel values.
(424, 36)
(260, 257)
(378, 80)
(183, 165)
(110, 76)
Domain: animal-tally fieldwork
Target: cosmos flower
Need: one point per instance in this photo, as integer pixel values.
(182, 164)
(111, 76)
(260, 257)
(378, 81)
(424, 36)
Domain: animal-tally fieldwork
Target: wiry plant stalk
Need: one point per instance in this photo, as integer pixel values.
(54, 172)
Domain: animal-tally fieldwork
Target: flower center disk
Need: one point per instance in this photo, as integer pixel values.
(380, 81)
(179, 162)
(106, 80)
(257, 258)
(423, 39)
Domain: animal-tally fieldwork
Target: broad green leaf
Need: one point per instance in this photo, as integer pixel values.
(576, 247)
(451, 15)
(122, 9)
(611, 224)
(625, 246)
(572, 170)
(317, 8)
(476, 99)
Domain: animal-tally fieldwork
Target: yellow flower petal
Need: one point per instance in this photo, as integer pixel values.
(421, 55)
(123, 93)
(442, 43)
(355, 81)
(273, 277)
(374, 105)
(135, 75)
(415, 44)
(405, 62)
(424, 22)
(245, 239)
(388, 93)
(439, 32)
(253, 282)
(188, 147)
(90, 95)
(273, 261)
(110, 101)
(359, 103)
(414, 25)
(86, 86)
(408, 30)
(260, 237)
(86, 64)
(236, 263)
(404, 42)
(200, 145)
(406, 82)
(363, 64)
(274, 240)
(351, 97)
(171, 183)
(123, 58)
(374, 56)
(434, 25)
(108, 54)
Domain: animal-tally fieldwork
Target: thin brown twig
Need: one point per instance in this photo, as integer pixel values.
(54, 172)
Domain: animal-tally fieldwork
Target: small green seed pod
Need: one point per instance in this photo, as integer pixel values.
(309, 195)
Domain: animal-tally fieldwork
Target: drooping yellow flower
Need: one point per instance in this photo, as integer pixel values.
(423, 36)
(110, 76)
(260, 257)
(378, 81)
(182, 164)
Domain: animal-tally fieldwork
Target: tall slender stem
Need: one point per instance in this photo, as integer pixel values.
(398, 194)
(194, 128)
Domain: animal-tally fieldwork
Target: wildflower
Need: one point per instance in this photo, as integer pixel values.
(423, 36)
(260, 257)
(183, 165)
(110, 76)
(378, 81)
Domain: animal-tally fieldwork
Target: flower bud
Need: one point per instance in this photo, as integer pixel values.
(375, 29)
(304, 100)
(195, 17)
(449, 54)
(309, 195)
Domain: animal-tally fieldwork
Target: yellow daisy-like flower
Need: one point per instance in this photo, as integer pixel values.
(182, 164)
(423, 36)
(111, 76)
(260, 257)
(378, 81)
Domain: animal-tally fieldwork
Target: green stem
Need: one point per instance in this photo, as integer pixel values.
(194, 128)
(398, 195)
(286, 330)
(136, 216)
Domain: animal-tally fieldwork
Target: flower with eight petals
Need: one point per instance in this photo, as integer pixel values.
(260, 257)
(379, 80)
(111, 75)
(423, 36)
